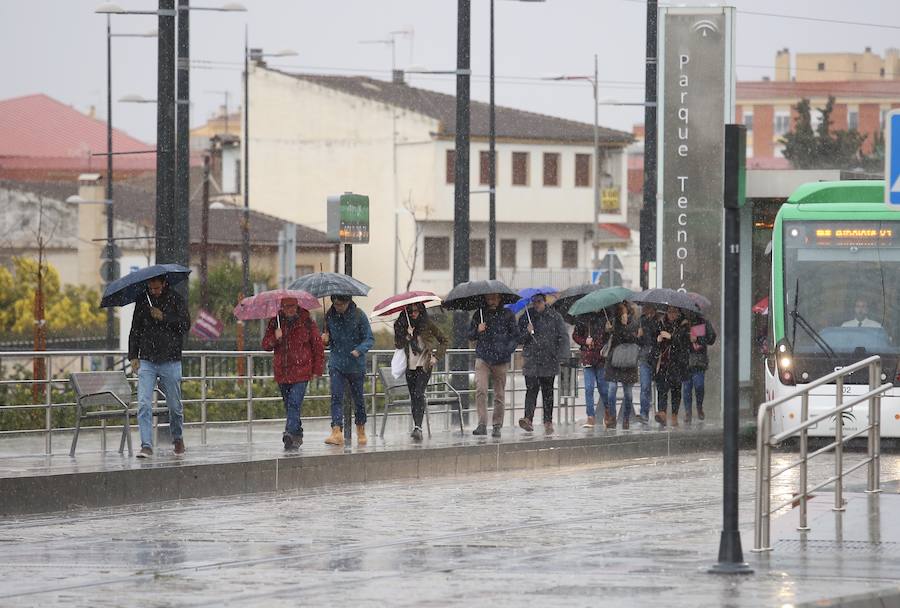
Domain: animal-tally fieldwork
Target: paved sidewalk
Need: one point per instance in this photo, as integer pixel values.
(635, 533)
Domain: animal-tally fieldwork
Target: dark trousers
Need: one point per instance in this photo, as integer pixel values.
(532, 385)
(665, 388)
(416, 381)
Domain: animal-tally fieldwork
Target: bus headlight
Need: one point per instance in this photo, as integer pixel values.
(785, 363)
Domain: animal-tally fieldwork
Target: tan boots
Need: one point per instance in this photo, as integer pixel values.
(361, 438)
(336, 437)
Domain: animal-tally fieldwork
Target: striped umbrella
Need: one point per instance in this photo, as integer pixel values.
(397, 303)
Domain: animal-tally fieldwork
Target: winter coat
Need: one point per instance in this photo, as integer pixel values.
(622, 334)
(299, 354)
(159, 341)
(433, 339)
(549, 344)
(590, 326)
(348, 332)
(698, 356)
(498, 342)
(647, 340)
(672, 355)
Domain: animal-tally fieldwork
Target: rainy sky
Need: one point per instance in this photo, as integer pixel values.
(57, 47)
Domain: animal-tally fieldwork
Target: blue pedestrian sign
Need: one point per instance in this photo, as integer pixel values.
(596, 275)
(892, 159)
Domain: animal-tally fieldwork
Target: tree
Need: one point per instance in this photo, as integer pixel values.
(225, 283)
(821, 148)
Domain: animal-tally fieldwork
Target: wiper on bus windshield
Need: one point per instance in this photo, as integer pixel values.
(809, 329)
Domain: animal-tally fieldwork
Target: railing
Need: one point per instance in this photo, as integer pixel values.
(765, 441)
(213, 367)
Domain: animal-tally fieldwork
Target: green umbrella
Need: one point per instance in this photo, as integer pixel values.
(600, 299)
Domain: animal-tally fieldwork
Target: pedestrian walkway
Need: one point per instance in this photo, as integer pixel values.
(635, 533)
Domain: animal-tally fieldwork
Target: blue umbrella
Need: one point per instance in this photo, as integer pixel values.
(133, 285)
(528, 293)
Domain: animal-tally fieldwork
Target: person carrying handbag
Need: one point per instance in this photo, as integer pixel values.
(622, 362)
(702, 336)
(590, 337)
(423, 344)
(672, 346)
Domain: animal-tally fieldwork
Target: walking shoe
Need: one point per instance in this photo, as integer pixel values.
(641, 418)
(336, 437)
(290, 441)
(589, 423)
(609, 421)
(297, 440)
(361, 438)
(525, 423)
(700, 413)
(179, 446)
(145, 453)
(660, 417)
(673, 421)
(548, 428)
(688, 417)
(480, 430)
(625, 424)
(496, 432)
(416, 434)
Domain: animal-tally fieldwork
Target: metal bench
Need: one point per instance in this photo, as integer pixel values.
(396, 394)
(105, 395)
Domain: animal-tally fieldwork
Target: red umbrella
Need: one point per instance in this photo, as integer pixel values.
(397, 303)
(266, 304)
(761, 307)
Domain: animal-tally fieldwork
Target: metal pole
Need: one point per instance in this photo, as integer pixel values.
(492, 168)
(877, 424)
(165, 134)
(596, 215)
(648, 210)
(348, 409)
(110, 253)
(839, 446)
(804, 462)
(204, 238)
(731, 558)
(181, 211)
(245, 224)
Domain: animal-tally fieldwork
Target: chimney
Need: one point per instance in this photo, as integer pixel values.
(868, 49)
(397, 77)
(783, 65)
(92, 111)
(91, 225)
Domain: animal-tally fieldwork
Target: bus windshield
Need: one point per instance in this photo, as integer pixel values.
(842, 277)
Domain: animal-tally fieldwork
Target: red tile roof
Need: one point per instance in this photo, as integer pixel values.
(38, 132)
(886, 90)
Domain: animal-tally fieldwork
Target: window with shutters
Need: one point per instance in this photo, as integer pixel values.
(520, 168)
(451, 166)
(551, 169)
(538, 254)
(583, 170)
(477, 257)
(507, 253)
(570, 254)
(437, 253)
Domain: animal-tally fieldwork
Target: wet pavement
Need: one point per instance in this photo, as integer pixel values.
(634, 533)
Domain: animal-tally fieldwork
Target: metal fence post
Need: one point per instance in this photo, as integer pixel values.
(875, 430)
(839, 446)
(804, 451)
(249, 380)
(48, 403)
(203, 399)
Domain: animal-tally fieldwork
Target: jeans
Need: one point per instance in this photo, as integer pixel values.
(169, 375)
(627, 408)
(416, 381)
(533, 384)
(646, 387)
(293, 395)
(696, 382)
(496, 373)
(340, 382)
(595, 377)
(663, 390)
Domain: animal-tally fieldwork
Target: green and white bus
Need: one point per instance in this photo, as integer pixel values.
(834, 299)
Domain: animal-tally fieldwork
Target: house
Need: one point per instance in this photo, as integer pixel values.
(317, 135)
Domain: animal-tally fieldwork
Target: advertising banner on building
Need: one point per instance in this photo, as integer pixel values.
(696, 100)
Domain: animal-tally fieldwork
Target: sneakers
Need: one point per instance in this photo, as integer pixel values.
(642, 419)
(179, 446)
(589, 423)
(480, 430)
(548, 428)
(361, 438)
(660, 417)
(416, 434)
(145, 453)
(525, 423)
(700, 413)
(336, 437)
(496, 432)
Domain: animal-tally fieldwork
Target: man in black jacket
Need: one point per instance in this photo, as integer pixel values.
(157, 334)
(493, 330)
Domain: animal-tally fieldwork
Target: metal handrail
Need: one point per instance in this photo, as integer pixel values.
(49, 387)
(765, 442)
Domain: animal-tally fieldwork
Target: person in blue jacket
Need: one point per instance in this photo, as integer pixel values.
(348, 337)
(494, 332)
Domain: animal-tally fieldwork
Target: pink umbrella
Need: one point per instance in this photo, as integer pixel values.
(397, 303)
(702, 302)
(761, 307)
(266, 304)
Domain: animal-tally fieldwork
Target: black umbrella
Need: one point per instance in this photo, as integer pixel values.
(133, 285)
(470, 295)
(662, 296)
(569, 296)
(321, 284)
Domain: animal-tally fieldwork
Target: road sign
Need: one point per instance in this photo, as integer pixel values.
(892, 159)
(348, 218)
(109, 271)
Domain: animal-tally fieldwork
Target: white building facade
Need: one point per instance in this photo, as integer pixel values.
(312, 136)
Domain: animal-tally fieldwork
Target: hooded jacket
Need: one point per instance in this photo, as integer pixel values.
(498, 342)
(299, 354)
(549, 344)
(159, 341)
(348, 332)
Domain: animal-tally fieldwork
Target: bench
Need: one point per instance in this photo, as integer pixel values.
(396, 394)
(105, 395)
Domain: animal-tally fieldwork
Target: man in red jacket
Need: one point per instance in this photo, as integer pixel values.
(299, 356)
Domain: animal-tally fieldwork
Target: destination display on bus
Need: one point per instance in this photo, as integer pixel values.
(842, 234)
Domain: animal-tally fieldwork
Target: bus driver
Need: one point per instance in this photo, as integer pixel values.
(861, 315)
